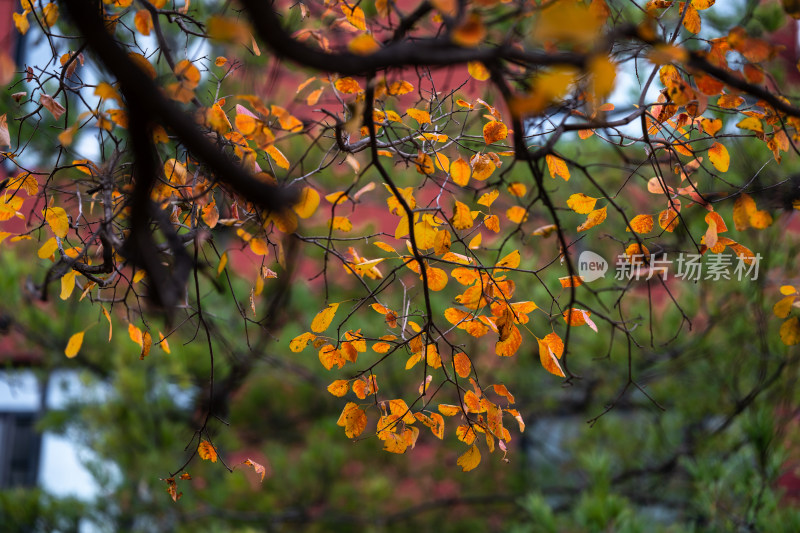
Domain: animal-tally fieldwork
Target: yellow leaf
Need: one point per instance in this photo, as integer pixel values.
(752, 124)
(162, 341)
(341, 223)
(353, 419)
(442, 162)
(488, 198)
(147, 342)
(58, 221)
(68, 284)
(512, 260)
(478, 71)
(299, 343)
(399, 88)
(604, 73)
(557, 167)
(517, 214)
(50, 13)
(258, 246)
(21, 22)
(790, 332)
(355, 16)
(475, 242)
(48, 248)
(582, 204)
(482, 166)
(595, 217)
(206, 451)
(74, 345)
(462, 218)
(470, 459)
(364, 44)
(783, 307)
(442, 242)
(719, 157)
(711, 126)
(492, 222)
(517, 189)
(424, 164)
(449, 410)
(324, 318)
(110, 325)
(223, 261)
(135, 334)
(277, 156)
(421, 116)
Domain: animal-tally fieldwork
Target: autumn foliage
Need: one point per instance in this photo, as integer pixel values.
(433, 166)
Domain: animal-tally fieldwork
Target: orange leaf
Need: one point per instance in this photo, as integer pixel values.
(470, 32)
(339, 387)
(207, 451)
(549, 360)
(462, 365)
(641, 224)
(143, 22)
(494, 131)
(575, 317)
(437, 278)
(347, 86)
(691, 20)
(571, 281)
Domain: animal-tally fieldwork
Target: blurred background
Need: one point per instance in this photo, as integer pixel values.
(86, 443)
